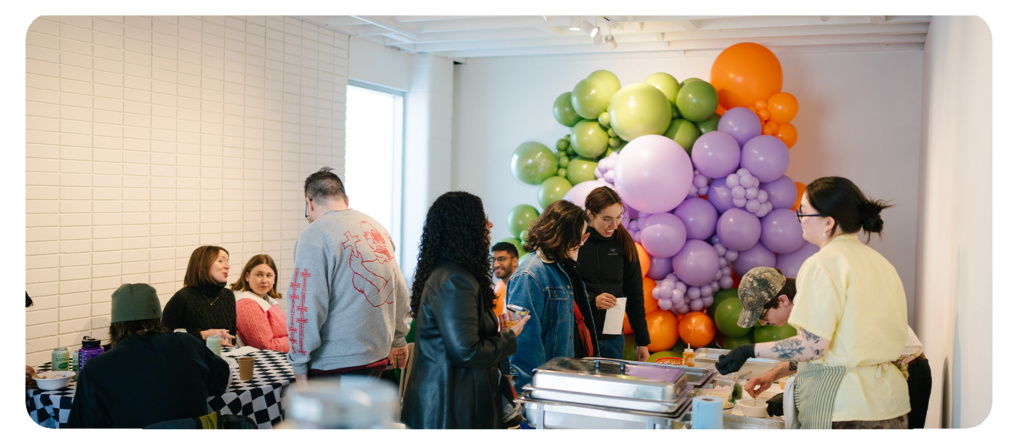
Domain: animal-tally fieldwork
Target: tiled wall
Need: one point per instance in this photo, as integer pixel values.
(150, 136)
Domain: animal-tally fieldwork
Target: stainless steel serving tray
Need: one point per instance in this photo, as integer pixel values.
(697, 376)
(612, 378)
(547, 414)
(706, 358)
(610, 402)
(732, 421)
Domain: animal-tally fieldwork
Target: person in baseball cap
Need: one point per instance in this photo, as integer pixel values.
(759, 287)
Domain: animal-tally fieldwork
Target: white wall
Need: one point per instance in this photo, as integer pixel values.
(860, 116)
(150, 136)
(377, 64)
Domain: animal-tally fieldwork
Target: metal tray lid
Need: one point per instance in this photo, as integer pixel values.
(612, 377)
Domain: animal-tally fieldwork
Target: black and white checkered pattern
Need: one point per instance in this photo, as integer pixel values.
(259, 398)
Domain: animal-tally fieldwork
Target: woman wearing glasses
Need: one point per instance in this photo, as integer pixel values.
(549, 287)
(851, 318)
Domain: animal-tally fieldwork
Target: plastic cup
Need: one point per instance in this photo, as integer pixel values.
(245, 367)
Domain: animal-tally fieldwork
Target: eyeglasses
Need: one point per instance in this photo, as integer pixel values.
(585, 237)
(763, 313)
(800, 213)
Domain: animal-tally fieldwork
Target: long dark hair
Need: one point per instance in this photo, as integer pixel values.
(121, 330)
(557, 230)
(601, 198)
(456, 229)
(839, 198)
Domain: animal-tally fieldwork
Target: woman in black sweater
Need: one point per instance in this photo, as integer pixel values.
(204, 306)
(610, 269)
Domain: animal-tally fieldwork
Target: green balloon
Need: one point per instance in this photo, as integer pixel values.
(581, 170)
(589, 139)
(551, 190)
(726, 315)
(520, 218)
(711, 124)
(563, 162)
(689, 80)
(629, 348)
(614, 142)
(532, 162)
(684, 133)
(666, 83)
(562, 154)
(640, 109)
(612, 133)
(608, 78)
(771, 333)
(675, 113)
(564, 112)
(566, 137)
(697, 101)
(730, 342)
(604, 119)
(515, 242)
(590, 98)
(522, 235)
(720, 296)
(562, 172)
(562, 145)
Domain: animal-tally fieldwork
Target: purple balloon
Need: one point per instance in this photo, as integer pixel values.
(699, 216)
(677, 296)
(716, 154)
(664, 235)
(693, 293)
(790, 263)
(741, 123)
(696, 264)
(720, 195)
(706, 291)
(656, 292)
(781, 192)
(578, 193)
(683, 308)
(781, 231)
(756, 256)
(665, 304)
(696, 304)
(738, 229)
(725, 282)
(652, 174)
(660, 267)
(767, 158)
(630, 212)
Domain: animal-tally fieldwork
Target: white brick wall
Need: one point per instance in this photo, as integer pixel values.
(150, 136)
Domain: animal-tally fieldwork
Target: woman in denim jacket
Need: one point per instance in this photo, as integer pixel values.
(548, 285)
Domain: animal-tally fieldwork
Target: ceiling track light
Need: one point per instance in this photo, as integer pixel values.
(574, 23)
(595, 36)
(612, 23)
(588, 28)
(610, 41)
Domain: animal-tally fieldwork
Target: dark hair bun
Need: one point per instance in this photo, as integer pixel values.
(870, 215)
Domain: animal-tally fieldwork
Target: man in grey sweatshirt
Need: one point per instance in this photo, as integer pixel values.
(348, 301)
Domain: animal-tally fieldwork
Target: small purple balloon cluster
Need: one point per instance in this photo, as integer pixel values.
(606, 168)
(700, 185)
(747, 194)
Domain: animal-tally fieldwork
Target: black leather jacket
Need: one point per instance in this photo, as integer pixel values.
(454, 379)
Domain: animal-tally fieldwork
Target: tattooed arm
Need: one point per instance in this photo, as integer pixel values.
(805, 346)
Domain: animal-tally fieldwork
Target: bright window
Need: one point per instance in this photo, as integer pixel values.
(373, 154)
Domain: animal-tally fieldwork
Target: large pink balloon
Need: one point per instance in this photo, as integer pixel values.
(716, 154)
(699, 216)
(696, 264)
(664, 235)
(781, 192)
(781, 231)
(790, 263)
(766, 157)
(738, 229)
(653, 174)
(756, 256)
(660, 268)
(578, 193)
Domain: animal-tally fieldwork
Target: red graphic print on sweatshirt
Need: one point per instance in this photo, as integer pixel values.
(366, 259)
(293, 298)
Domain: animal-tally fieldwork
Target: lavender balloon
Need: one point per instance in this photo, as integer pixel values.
(731, 255)
(652, 174)
(725, 282)
(660, 267)
(664, 235)
(756, 256)
(781, 192)
(699, 216)
(681, 286)
(716, 154)
(578, 193)
(677, 296)
(671, 278)
(790, 263)
(738, 230)
(697, 263)
(781, 231)
(720, 195)
(664, 304)
(693, 293)
(683, 308)
(766, 157)
(706, 291)
(741, 123)
(696, 304)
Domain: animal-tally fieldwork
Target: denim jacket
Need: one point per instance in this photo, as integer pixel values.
(545, 289)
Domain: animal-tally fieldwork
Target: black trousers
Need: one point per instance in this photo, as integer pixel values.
(920, 385)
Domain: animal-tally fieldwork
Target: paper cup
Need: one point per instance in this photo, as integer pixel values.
(245, 366)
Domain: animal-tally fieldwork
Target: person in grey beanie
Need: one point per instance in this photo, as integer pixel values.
(150, 375)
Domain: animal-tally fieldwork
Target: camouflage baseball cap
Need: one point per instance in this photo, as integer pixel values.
(758, 287)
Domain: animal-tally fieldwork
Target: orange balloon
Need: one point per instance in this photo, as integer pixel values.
(787, 132)
(761, 104)
(744, 73)
(769, 128)
(499, 303)
(662, 326)
(645, 260)
(649, 302)
(799, 195)
(763, 114)
(783, 107)
(696, 329)
(720, 111)
(626, 329)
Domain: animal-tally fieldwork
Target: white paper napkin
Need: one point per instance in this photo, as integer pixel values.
(613, 318)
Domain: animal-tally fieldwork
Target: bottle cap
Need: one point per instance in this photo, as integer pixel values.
(688, 349)
(89, 342)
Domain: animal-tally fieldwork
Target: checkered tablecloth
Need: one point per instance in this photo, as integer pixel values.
(259, 398)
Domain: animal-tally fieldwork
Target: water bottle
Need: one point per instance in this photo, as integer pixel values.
(213, 343)
(59, 359)
(90, 349)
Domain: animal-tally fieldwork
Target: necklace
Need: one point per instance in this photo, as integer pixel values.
(214, 300)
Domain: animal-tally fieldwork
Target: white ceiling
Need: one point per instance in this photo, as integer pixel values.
(466, 37)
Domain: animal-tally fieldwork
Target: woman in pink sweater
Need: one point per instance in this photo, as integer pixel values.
(261, 324)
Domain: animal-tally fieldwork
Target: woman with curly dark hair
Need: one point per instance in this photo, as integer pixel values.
(454, 380)
(548, 285)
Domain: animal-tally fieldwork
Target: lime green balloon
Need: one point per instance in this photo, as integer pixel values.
(590, 98)
(608, 78)
(562, 154)
(727, 314)
(520, 218)
(515, 242)
(720, 296)
(564, 112)
(562, 144)
(563, 162)
(581, 170)
(522, 235)
(697, 101)
(532, 162)
(562, 172)
(551, 190)
(684, 133)
(771, 333)
(604, 119)
(689, 80)
(709, 125)
(614, 142)
(666, 83)
(629, 348)
(588, 139)
(639, 109)
(612, 133)
(730, 342)
(675, 113)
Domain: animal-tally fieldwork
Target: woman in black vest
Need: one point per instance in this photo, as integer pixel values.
(610, 269)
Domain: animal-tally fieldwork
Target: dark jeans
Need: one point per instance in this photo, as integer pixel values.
(612, 348)
(920, 385)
